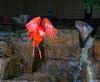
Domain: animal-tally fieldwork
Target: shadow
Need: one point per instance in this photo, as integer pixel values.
(37, 61)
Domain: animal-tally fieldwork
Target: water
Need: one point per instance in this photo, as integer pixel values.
(86, 59)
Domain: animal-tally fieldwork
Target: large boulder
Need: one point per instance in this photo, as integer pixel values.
(62, 54)
(39, 77)
(66, 46)
(11, 67)
(97, 49)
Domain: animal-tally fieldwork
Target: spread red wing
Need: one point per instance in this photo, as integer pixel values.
(50, 31)
(33, 24)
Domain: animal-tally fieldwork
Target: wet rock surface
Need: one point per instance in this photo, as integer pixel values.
(61, 61)
(62, 54)
(9, 67)
(40, 77)
(66, 46)
(10, 63)
(61, 57)
(97, 49)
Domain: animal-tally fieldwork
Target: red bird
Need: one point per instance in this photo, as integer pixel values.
(38, 29)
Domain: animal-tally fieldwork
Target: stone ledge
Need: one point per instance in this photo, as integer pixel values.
(9, 67)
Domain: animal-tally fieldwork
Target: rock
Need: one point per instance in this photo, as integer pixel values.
(26, 51)
(97, 49)
(66, 46)
(40, 77)
(7, 48)
(2, 48)
(62, 54)
(83, 74)
(97, 69)
(10, 67)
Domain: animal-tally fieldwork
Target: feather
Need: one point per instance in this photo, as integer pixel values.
(50, 31)
(31, 35)
(37, 32)
(33, 24)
